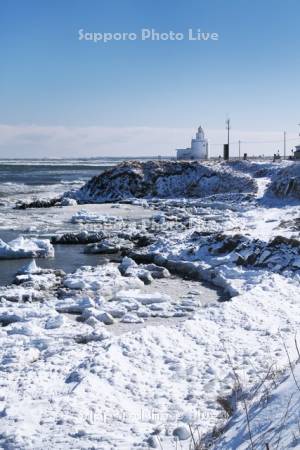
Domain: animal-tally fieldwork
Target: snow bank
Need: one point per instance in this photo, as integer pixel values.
(274, 421)
(26, 248)
(258, 169)
(287, 182)
(163, 179)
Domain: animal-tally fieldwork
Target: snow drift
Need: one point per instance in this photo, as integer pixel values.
(164, 179)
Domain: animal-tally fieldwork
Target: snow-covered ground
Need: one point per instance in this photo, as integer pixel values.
(121, 355)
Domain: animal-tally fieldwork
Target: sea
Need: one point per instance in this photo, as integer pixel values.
(21, 179)
(19, 174)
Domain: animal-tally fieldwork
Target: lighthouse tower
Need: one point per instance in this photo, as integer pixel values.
(199, 146)
(198, 149)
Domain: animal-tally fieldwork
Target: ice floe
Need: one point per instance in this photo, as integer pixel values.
(26, 248)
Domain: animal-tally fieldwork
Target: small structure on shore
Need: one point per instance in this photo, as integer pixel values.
(276, 157)
(297, 153)
(198, 149)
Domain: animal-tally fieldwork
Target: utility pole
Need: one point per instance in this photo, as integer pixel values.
(226, 146)
(239, 149)
(284, 145)
(228, 128)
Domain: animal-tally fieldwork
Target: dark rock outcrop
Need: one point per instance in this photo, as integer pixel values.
(163, 179)
(83, 237)
(46, 203)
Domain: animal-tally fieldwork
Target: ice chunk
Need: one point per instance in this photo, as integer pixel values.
(131, 318)
(145, 299)
(26, 248)
(74, 305)
(54, 322)
(29, 268)
(105, 318)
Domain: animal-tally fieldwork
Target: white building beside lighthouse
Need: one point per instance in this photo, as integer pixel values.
(198, 149)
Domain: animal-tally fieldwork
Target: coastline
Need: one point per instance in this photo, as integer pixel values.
(125, 344)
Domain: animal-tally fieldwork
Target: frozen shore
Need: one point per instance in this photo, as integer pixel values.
(191, 293)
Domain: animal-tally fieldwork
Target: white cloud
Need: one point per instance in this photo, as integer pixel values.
(69, 141)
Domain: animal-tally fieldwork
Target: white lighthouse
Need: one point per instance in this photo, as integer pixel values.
(198, 149)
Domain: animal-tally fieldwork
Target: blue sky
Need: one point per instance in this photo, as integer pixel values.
(61, 96)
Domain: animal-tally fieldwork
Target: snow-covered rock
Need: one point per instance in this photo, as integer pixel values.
(39, 203)
(109, 246)
(163, 179)
(145, 272)
(83, 237)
